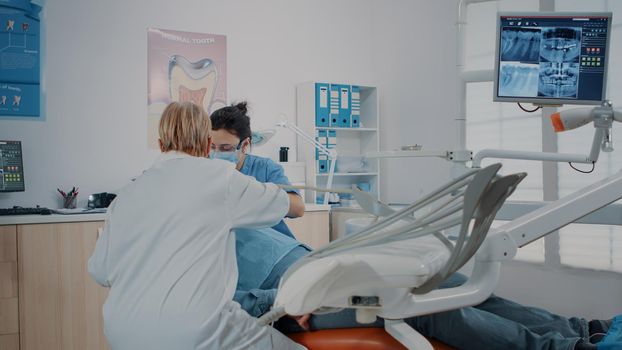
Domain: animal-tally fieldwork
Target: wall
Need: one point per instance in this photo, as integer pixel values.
(414, 59)
(95, 79)
(94, 133)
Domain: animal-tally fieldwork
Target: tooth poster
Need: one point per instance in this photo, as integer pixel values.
(19, 59)
(184, 66)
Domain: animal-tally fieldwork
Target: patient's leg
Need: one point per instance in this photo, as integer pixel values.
(533, 320)
(472, 328)
(536, 320)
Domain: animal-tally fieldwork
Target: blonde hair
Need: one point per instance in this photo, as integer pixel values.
(185, 127)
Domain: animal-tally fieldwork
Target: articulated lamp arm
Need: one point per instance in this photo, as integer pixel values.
(331, 153)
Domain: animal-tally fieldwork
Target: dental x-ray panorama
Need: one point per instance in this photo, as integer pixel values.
(559, 65)
(558, 79)
(539, 62)
(560, 44)
(552, 57)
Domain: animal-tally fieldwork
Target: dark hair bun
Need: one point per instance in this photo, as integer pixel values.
(242, 107)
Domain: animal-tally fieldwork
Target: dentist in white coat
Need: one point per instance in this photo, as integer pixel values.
(167, 251)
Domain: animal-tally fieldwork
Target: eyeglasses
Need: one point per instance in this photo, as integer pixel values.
(226, 147)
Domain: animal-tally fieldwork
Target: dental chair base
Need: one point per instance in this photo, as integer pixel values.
(356, 338)
(406, 335)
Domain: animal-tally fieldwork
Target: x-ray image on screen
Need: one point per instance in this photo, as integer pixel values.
(558, 79)
(560, 44)
(552, 58)
(520, 44)
(518, 79)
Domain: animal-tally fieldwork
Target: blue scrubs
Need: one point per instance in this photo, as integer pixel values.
(266, 170)
(262, 255)
(260, 252)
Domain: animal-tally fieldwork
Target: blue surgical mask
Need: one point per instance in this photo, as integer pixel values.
(228, 156)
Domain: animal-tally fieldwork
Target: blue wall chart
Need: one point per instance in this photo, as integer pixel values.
(19, 59)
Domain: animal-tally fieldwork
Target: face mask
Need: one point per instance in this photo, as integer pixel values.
(228, 156)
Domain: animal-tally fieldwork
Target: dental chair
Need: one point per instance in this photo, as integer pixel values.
(392, 268)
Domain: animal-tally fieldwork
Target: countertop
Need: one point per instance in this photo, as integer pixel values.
(58, 218)
(309, 207)
(49, 219)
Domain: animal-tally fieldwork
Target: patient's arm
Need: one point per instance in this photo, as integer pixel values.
(255, 301)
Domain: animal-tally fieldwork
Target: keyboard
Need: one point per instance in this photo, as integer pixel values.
(25, 211)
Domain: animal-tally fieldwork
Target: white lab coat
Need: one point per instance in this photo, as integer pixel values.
(167, 253)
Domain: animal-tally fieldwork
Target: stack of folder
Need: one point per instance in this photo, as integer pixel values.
(337, 105)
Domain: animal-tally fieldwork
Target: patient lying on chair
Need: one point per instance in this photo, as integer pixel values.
(497, 323)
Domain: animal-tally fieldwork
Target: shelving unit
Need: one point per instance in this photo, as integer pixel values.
(350, 141)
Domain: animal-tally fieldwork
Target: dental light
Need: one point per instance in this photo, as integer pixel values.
(261, 137)
(602, 116)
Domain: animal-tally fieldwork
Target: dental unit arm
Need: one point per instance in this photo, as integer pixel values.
(602, 116)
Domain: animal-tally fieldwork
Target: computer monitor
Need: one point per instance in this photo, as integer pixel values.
(552, 58)
(11, 167)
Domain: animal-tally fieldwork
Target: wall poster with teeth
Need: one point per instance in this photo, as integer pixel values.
(19, 60)
(184, 66)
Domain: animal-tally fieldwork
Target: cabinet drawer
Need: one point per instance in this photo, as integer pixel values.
(8, 243)
(9, 320)
(9, 342)
(8, 280)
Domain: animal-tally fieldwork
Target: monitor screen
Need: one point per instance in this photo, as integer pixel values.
(552, 58)
(11, 167)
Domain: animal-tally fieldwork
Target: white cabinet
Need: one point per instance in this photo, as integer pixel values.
(353, 135)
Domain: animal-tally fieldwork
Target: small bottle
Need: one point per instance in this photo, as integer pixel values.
(283, 154)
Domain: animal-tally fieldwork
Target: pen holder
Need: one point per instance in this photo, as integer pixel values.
(69, 202)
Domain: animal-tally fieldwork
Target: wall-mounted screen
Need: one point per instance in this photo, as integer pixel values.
(552, 58)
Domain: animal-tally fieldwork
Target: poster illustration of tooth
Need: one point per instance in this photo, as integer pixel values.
(19, 59)
(184, 66)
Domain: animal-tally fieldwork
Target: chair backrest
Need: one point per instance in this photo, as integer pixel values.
(487, 204)
(467, 205)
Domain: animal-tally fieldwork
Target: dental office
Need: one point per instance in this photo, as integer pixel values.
(403, 174)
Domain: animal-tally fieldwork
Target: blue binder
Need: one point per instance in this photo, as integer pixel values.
(355, 119)
(322, 111)
(331, 142)
(322, 164)
(344, 106)
(322, 159)
(322, 138)
(335, 102)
